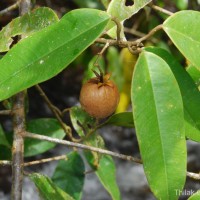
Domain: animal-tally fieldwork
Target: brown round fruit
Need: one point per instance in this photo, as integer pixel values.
(99, 97)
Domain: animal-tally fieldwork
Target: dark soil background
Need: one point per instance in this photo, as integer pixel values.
(63, 90)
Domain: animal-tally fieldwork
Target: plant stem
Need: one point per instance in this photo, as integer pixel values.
(152, 32)
(167, 12)
(193, 175)
(10, 8)
(18, 112)
(82, 146)
(56, 112)
(132, 45)
(5, 112)
(5, 162)
(62, 157)
(18, 145)
(119, 28)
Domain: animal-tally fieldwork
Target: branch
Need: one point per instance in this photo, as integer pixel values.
(167, 12)
(152, 32)
(81, 146)
(5, 162)
(18, 145)
(5, 112)
(8, 162)
(193, 175)
(10, 8)
(56, 112)
(18, 112)
(119, 28)
(62, 157)
(138, 33)
(133, 46)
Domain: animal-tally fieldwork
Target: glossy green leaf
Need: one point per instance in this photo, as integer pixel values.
(94, 140)
(48, 127)
(115, 67)
(103, 165)
(183, 29)
(195, 196)
(125, 12)
(194, 73)
(81, 121)
(189, 91)
(47, 189)
(124, 119)
(47, 52)
(181, 4)
(69, 175)
(26, 25)
(159, 121)
(106, 173)
(3, 139)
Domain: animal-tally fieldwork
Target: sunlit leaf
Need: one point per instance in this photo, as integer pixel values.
(194, 73)
(106, 173)
(125, 12)
(47, 52)
(189, 91)
(195, 196)
(183, 29)
(159, 121)
(26, 25)
(81, 121)
(47, 189)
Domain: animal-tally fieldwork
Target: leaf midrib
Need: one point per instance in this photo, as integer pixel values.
(162, 146)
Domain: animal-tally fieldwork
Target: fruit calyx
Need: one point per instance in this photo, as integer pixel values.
(101, 79)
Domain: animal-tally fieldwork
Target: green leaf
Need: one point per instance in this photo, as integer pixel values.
(48, 127)
(189, 91)
(47, 189)
(46, 53)
(105, 3)
(159, 121)
(195, 196)
(181, 4)
(183, 29)
(26, 25)
(69, 175)
(3, 140)
(115, 67)
(81, 121)
(125, 12)
(194, 73)
(103, 165)
(106, 173)
(121, 119)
